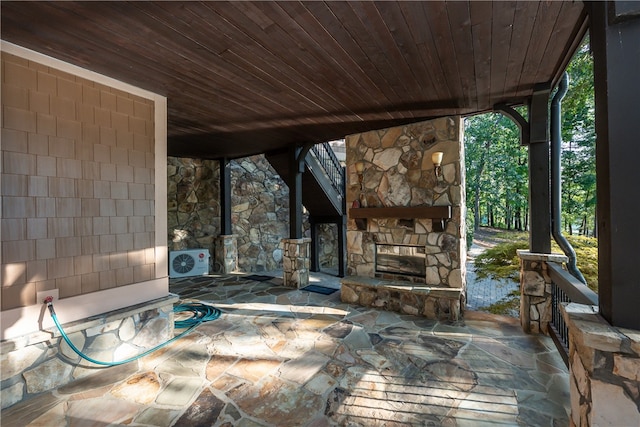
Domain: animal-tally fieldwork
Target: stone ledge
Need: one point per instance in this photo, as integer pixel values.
(437, 303)
(402, 286)
(532, 256)
(595, 332)
(83, 324)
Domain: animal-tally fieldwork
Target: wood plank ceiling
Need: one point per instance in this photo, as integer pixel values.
(249, 77)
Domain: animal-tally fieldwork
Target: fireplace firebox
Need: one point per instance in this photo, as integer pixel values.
(403, 260)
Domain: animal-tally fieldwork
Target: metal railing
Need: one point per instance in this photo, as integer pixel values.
(565, 288)
(331, 165)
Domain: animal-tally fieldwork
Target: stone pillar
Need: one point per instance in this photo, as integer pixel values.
(226, 254)
(535, 291)
(604, 367)
(295, 262)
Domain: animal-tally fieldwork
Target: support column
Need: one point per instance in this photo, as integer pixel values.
(295, 193)
(539, 172)
(342, 246)
(315, 245)
(615, 41)
(295, 262)
(226, 254)
(535, 291)
(225, 197)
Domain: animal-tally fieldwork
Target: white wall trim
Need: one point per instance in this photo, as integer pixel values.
(26, 320)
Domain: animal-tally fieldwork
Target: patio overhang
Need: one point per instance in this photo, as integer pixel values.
(250, 77)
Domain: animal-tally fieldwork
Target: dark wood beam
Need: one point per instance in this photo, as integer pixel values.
(225, 197)
(615, 41)
(539, 172)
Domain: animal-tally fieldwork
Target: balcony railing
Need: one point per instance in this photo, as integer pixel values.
(565, 288)
(331, 165)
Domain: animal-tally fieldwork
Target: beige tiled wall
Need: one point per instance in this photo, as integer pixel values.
(77, 184)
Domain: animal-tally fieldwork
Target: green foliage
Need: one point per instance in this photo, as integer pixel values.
(502, 262)
(507, 306)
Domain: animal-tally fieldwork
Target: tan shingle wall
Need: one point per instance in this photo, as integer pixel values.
(77, 184)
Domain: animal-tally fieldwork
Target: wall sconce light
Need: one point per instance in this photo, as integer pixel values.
(436, 158)
(359, 171)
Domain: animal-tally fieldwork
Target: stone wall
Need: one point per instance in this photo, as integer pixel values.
(37, 363)
(398, 172)
(604, 369)
(259, 212)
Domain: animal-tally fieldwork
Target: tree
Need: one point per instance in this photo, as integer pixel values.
(496, 172)
(578, 151)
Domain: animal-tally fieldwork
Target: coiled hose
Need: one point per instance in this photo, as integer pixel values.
(201, 313)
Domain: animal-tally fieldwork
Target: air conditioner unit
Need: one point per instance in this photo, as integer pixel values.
(192, 262)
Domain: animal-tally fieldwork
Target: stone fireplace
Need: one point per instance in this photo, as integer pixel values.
(406, 228)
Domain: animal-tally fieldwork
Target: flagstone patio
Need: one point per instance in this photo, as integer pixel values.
(284, 357)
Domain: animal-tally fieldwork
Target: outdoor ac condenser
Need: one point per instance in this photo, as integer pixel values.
(192, 262)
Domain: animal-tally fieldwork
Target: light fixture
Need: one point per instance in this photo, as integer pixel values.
(359, 171)
(436, 158)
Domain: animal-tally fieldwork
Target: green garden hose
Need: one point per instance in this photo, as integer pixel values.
(201, 313)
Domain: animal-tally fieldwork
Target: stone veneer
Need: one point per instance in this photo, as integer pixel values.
(398, 172)
(295, 262)
(535, 290)
(604, 364)
(604, 361)
(259, 213)
(42, 361)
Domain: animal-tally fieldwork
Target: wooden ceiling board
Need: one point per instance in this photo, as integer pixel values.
(247, 77)
(481, 20)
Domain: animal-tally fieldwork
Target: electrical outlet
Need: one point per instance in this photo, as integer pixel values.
(40, 296)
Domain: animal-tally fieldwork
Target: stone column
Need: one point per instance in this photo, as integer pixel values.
(535, 291)
(295, 262)
(604, 368)
(226, 254)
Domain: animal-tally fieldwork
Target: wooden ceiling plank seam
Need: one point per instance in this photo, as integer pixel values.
(578, 36)
(361, 33)
(563, 24)
(284, 59)
(279, 94)
(439, 22)
(522, 20)
(344, 34)
(501, 33)
(314, 26)
(383, 40)
(542, 29)
(343, 81)
(276, 74)
(460, 23)
(301, 60)
(429, 52)
(403, 40)
(481, 13)
(229, 76)
(418, 30)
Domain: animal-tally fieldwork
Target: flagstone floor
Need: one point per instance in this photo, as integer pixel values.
(283, 357)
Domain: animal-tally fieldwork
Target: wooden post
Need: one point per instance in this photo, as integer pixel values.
(539, 172)
(225, 197)
(615, 41)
